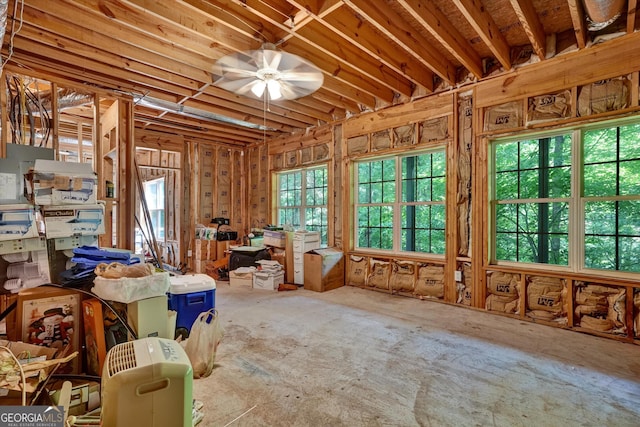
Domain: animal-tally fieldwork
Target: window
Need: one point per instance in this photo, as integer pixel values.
(154, 197)
(401, 196)
(533, 191)
(611, 198)
(302, 200)
(587, 180)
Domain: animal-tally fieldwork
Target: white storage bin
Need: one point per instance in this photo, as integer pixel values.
(306, 236)
(267, 280)
(129, 289)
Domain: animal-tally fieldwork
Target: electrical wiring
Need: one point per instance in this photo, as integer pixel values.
(13, 30)
(115, 312)
(22, 376)
(23, 103)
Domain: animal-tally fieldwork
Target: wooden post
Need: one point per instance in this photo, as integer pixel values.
(55, 121)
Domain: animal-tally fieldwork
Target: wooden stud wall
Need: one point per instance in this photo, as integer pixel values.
(565, 73)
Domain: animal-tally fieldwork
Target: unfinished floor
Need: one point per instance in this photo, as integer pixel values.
(352, 357)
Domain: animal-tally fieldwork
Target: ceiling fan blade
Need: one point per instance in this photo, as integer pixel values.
(234, 64)
(289, 92)
(293, 91)
(235, 85)
(270, 59)
(248, 73)
(302, 77)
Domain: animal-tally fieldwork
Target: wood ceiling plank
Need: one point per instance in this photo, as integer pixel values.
(579, 22)
(208, 38)
(348, 52)
(192, 66)
(77, 21)
(361, 34)
(73, 50)
(91, 70)
(429, 16)
(393, 26)
(314, 31)
(526, 13)
(336, 63)
(336, 99)
(486, 28)
(326, 112)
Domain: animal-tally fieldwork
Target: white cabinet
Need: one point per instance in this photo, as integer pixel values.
(303, 241)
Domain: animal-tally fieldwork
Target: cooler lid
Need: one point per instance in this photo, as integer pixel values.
(185, 284)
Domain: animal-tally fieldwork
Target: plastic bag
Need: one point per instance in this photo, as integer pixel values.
(206, 333)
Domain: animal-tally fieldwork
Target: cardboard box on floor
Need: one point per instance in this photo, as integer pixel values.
(11, 392)
(323, 269)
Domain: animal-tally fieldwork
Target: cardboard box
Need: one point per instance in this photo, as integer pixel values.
(94, 335)
(67, 221)
(61, 183)
(268, 280)
(274, 238)
(242, 276)
(11, 392)
(323, 269)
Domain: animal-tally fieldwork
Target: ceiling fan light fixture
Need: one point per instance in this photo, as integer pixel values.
(258, 88)
(273, 86)
(283, 75)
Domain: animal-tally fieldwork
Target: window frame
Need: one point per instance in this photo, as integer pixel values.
(398, 204)
(323, 228)
(577, 201)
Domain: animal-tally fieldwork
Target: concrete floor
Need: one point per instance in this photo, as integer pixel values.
(352, 357)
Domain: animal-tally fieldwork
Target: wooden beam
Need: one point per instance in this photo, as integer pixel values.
(105, 62)
(364, 36)
(139, 48)
(532, 26)
(615, 58)
(631, 16)
(392, 25)
(4, 115)
(208, 38)
(579, 23)
(55, 116)
(428, 107)
(429, 16)
(487, 29)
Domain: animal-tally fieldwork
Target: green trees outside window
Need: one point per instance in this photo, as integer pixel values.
(402, 196)
(302, 200)
(586, 180)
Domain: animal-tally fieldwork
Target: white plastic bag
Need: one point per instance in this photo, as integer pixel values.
(204, 337)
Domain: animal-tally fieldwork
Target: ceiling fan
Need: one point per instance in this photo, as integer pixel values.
(267, 72)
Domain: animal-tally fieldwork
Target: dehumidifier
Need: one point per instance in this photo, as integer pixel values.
(147, 383)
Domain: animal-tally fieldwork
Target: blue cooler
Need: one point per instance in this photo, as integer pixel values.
(190, 295)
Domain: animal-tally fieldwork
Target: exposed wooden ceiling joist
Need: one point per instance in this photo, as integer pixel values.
(373, 53)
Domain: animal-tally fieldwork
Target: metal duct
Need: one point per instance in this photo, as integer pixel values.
(172, 107)
(67, 98)
(602, 13)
